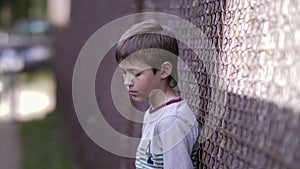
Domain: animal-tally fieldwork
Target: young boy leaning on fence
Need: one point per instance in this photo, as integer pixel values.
(147, 53)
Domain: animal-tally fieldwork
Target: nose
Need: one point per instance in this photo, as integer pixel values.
(128, 80)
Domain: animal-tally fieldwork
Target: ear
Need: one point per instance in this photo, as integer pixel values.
(166, 69)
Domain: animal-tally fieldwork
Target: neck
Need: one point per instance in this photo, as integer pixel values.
(159, 97)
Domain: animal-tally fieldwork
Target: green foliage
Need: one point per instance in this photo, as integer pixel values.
(44, 144)
(25, 9)
(38, 9)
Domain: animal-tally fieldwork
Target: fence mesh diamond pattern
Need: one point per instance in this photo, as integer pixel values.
(244, 85)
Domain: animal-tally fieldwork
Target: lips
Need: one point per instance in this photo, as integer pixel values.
(131, 92)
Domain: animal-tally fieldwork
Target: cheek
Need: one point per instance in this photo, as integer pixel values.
(145, 85)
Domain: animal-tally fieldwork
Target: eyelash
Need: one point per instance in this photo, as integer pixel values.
(137, 74)
(134, 74)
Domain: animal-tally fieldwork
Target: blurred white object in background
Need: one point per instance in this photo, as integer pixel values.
(38, 54)
(31, 103)
(10, 61)
(59, 12)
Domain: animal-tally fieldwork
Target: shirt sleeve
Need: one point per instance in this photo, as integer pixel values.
(178, 138)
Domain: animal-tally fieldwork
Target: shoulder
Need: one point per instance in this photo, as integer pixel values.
(178, 111)
(177, 116)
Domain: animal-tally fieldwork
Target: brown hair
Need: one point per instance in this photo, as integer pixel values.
(152, 43)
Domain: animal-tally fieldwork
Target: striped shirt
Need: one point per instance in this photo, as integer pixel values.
(169, 138)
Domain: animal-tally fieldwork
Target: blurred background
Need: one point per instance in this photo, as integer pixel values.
(39, 42)
(254, 56)
(31, 131)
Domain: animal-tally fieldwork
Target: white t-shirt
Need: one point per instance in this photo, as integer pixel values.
(169, 138)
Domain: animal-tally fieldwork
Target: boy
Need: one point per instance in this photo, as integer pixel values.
(147, 53)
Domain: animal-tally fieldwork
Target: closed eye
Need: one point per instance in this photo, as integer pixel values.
(132, 72)
(138, 74)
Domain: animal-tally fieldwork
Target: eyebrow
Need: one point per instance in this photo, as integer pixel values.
(131, 70)
(135, 69)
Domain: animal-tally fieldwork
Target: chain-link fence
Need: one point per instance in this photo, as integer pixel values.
(246, 89)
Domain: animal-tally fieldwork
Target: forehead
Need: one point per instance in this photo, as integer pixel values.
(133, 64)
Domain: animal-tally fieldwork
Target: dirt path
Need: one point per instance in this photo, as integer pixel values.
(10, 148)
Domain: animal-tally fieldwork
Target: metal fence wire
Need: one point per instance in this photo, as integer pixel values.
(245, 85)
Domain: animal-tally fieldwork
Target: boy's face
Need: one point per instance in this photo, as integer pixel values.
(139, 79)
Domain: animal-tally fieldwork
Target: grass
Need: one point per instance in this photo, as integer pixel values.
(44, 145)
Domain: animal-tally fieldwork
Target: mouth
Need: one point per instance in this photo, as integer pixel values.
(131, 92)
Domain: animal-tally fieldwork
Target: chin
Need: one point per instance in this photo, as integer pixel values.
(138, 99)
